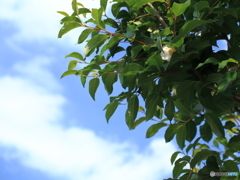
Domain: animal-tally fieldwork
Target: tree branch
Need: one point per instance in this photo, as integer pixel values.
(158, 15)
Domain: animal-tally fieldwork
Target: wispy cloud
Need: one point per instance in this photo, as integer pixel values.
(30, 123)
(38, 20)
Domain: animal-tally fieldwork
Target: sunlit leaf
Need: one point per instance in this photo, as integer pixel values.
(68, 27)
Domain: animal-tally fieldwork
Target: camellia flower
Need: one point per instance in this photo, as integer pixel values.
(167, 53)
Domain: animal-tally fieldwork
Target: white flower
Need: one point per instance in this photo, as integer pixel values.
(167, 53)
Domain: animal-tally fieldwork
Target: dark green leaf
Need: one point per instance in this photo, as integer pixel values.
(93, 85)
(109, 80)
(181, 136)
(231, 166)
(215, 124)
(169, 108)
(178, 169)
(188, 27)
(206, 132)
(156, 60)
(135, 51)
(174, 156)
(132, 69)
(140, 3)
(183, 108)
(201, 5)
(111, 23)
(202, 155)
(132, 111)
(153, 129)
(191, 130)
(170, 132)
(151, 105)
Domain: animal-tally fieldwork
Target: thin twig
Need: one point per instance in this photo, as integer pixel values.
(158, 15)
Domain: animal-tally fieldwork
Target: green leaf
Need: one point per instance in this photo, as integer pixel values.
(74, 6)
(201, 5)
(70, 19)
(185, 91)
(132, 69)
(156, 60)
(211, 60)
(202, 155)
(206, 132)
(111, 23)
(85, 33)
(111, 108)
(179, 9)
(139, 121)
(132, 111)
(223, 64)
(72, 64)
(93, 85)
(174, 156)
(83, 80)
(68, 27)
(191, 130)
(95, 42)
(75, 55)
(215, 124)
(130, 32)
(153, 129)
(70, 72)
(63, 13)
(103, 4)
(114, 40)
(83, 11)
(178, 169)
(188, 27)
(170, 132)
(169, 108)
(183, 108)
(231, 166)
(226, 80)
(97, 15)
(151, 105)
(135, 51)
(139, 3)
(181, 136)
(109, 80)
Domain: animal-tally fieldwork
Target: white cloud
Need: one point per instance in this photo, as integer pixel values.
(29, 123)
(38, 20)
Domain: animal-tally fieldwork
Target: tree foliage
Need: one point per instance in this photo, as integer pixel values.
(161, 52)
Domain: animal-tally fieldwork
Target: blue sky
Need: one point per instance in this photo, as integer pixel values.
(50, 128)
